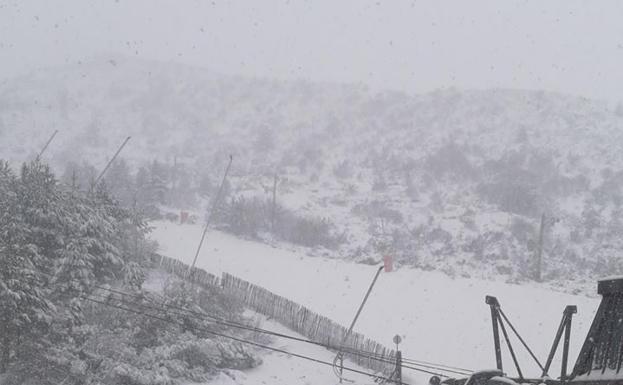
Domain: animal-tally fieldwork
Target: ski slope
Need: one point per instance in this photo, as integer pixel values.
(440, 319)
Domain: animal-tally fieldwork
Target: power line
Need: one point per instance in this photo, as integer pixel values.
(221, 321)
(225, 322)
(364, 354)
(234, 338)
(435, 368)
(440, 366)
(359, 353)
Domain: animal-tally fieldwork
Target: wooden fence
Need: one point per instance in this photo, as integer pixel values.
(172, 266)
(314, 326)
(298, 318)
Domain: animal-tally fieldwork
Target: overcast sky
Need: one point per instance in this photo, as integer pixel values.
(569, 46)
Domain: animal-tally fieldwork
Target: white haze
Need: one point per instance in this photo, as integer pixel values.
(567, 46)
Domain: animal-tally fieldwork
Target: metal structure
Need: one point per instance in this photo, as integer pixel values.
(565, 326)
(600, 359)
(500, 321)
(601, 355)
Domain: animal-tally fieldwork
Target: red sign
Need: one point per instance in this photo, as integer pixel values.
(183, 216)
(389, 263)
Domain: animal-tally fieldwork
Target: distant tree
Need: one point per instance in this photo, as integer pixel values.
(380, 182)
(591, 220)
(512, 196)
(449, 159)
(79, 176)
(343, 170)
(410, 189)
(265, 140)
(379, 216)
(522, 230)
(522, 135)
(205, 185)
(159, 178)
(182, 193)
(120, 182)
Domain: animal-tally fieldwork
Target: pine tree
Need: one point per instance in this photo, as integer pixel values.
(120, 182)
(23, 304)
(158, 182)
(41, 207)
(91, 232)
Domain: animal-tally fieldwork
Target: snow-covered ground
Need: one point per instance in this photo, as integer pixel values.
(440, 319)
(281, 369)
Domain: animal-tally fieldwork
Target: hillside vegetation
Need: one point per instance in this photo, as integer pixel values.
(452, 180)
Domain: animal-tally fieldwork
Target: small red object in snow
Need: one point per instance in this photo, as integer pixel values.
(389, 263)
(183, 216)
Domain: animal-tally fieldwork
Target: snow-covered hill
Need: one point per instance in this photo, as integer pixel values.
(452, 180)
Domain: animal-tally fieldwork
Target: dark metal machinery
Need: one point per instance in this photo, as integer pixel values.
(499, 320)
(600, 360)
(601, 356)
(565, 326)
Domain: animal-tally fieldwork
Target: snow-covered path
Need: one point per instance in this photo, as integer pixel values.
(441, 319)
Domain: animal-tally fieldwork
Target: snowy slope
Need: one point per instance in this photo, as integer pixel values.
(441, 319)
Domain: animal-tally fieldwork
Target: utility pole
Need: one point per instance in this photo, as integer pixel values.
(209, 219)
(273, 208)
(45, 147)
(109, 163)
(539, 251)
(340, 355)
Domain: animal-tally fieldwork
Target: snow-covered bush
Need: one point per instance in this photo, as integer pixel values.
(254, 216)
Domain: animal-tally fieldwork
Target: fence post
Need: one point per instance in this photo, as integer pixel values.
(399, 367)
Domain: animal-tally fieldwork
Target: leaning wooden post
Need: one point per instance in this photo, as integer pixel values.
(340, 355)
(101, 175)
(45, 147)
(209, 219)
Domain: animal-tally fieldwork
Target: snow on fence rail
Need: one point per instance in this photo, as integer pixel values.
(200, 277)
(314, 326)
(298, 318)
